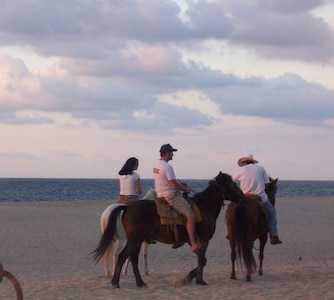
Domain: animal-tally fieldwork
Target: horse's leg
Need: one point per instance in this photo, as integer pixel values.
(121, 258)
(144, 246)
(249, 258)
(198, 271)
(233, 256)
(120, 242)
(125, 268)
(126, 264)
(134, 261)
(263, 241)
(229, 216)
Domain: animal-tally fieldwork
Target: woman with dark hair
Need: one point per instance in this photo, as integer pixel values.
(129, 182)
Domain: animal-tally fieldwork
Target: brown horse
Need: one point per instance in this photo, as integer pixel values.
(141, 222)
(247, 221)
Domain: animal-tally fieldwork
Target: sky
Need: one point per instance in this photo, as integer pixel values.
(84, 85)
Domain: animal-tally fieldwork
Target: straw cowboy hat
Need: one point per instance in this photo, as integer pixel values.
(247, 158)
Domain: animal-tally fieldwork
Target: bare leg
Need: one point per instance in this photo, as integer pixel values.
(190, 226)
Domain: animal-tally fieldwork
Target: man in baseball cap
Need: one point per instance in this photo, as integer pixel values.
(168, 187)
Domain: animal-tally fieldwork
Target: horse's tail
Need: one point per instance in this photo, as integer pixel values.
(243, 241)
(108, 233)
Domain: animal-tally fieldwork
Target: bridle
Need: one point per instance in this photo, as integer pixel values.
(231, 187)
(220, 188)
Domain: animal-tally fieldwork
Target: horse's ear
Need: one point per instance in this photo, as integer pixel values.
(275, 180)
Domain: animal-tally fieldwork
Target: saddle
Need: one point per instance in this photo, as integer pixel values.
(259, 200)
(169, 216)
(254, 197)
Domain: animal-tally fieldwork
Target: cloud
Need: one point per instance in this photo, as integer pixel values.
(282, 29)
(127, 101)
(96, 30)
(117, 59)
(287, 98)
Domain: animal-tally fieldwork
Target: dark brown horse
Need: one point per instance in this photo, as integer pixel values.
(247, 221)
(141, 222)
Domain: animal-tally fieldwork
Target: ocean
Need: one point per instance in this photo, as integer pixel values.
(36, 189)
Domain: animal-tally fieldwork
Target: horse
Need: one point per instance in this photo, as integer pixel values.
(120, 240)
(247, 221)
(141, 222)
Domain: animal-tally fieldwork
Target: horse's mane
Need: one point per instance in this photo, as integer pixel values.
(151, 194)
(207, 196)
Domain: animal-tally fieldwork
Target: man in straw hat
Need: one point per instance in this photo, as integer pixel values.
(253, 178)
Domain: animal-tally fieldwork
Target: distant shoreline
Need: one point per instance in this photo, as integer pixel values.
(109, 201)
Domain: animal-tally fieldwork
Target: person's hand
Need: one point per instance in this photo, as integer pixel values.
(184, 187)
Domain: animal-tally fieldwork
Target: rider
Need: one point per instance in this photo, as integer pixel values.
(168, 187)
(253, 179)
(129, 181)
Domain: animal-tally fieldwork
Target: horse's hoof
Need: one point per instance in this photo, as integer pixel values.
(142, 284)
(260, 273)
(233, 277)
(115, 286)
(201, 282)
(248, 278)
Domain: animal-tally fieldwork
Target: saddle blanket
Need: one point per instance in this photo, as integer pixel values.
(168, 215)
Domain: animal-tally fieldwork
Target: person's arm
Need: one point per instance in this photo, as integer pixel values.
(265, 176)
(119, 182)
(180, 187)
(138, 188)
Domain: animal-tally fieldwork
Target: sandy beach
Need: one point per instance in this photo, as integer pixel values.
(46, 246)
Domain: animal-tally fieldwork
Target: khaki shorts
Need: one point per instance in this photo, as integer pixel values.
(178, 202)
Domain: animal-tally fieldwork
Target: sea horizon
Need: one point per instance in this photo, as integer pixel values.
(22, 189)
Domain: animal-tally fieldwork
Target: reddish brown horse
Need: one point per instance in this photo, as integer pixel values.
(141, 222)
(246, 222)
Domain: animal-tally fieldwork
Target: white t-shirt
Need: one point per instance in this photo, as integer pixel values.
(252, 178)
(128, 184)
(163, 172)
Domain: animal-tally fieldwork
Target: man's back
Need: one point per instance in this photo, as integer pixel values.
(252, 178)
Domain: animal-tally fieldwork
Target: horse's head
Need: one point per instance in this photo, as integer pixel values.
(271, 189)
(230, 190)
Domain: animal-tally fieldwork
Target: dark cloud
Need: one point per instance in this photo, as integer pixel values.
(285, 35)
(95, 29)
(286, 98)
